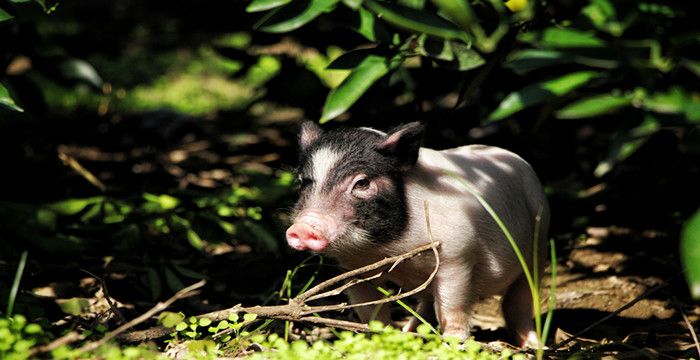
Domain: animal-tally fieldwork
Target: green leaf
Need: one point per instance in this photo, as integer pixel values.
(262, 236)
(524, 61)
(457, 11)
(674, 101)
(352, 59)
(75, 306)
(5, 99)
(466, 58)
(194, 239)
(554, 37)
(371, 69)
(626, 143)
(174, 282)
(171, 319)
(417, 21)
(294, 15)
(249, 317)
(593, 106)
(4, 15)
(188, 272)
(73, 206)
(165, 202)
(602, 15)
(204, 322)
(181, 326)
(540, 92)
(690, 253)
(154, 283)
(262, 5)
(81, 71)
(367, 25)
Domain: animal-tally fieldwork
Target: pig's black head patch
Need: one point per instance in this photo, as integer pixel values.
(357, 174)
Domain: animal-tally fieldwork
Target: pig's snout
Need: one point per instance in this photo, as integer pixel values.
(301, 236)
(311, 231)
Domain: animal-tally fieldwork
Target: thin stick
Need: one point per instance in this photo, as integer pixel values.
(183, 293)
(85, 173)
(110, 302)
(297, 310)
(688, 324)
(340, 289)
(374, 266)
(66, 339)
(614, 313)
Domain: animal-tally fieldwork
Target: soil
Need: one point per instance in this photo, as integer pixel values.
(598, 272)
(610, 269)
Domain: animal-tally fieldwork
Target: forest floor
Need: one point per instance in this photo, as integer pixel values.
(600, 269)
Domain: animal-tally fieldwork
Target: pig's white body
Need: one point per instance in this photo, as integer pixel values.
(476, 258)
(360, 185)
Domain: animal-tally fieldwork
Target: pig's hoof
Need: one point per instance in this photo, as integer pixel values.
(531, 341)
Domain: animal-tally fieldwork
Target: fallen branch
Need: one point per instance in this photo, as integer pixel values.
(66, 339)
(183, 293)
(298, 310)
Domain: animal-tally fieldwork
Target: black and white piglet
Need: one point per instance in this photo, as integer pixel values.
(361, 200)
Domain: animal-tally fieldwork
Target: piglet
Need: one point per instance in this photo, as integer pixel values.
(361, 199)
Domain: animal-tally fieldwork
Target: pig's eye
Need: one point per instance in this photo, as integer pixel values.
(361, 184)
(304, 182)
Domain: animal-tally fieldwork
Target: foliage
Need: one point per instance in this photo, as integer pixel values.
(602, 61)
(17, 337)
(383, 343)
(23, 51)
(633, 64)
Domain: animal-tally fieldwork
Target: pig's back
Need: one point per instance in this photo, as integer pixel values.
(467, 232)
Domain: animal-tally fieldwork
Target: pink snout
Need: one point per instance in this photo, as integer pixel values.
(302, 236)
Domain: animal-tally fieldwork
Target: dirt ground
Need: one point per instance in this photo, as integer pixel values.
(601, 275)
(597, 273)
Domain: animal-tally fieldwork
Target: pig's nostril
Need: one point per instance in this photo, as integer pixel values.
(302, 237)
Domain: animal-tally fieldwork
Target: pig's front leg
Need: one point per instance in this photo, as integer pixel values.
(453, 301)
(365, 292)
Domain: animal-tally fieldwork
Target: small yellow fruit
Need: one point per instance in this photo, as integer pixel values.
(516, 5)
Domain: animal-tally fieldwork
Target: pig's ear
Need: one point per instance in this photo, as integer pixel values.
(308, 134)
(403, 143)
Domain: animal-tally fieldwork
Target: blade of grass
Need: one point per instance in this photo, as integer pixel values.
(410, 310)
(552, 292)
(15, 284)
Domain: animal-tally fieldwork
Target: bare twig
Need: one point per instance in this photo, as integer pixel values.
(688, 324)
(614, 313)
(85, 173)
(298, 310)
(365, 269)
(183, 293)
(66, 339)
(112, 305)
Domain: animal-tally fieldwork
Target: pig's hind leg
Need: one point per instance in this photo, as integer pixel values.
(517, 311)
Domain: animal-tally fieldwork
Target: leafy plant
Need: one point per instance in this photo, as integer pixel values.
(384, 342)
(17, 337)
(24, 54)
(446, 33)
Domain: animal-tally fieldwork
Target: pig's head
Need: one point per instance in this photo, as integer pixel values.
(351, 187)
